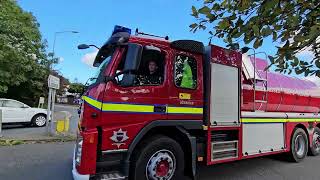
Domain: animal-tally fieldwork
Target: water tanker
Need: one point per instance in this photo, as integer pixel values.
(275, 92)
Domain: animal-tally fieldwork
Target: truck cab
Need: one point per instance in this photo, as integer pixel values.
(126, 104)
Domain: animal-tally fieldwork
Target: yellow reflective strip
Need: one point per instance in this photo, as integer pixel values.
(185, 110)
(127, 107)
(302, 120)
(92, 102)
(261, 120)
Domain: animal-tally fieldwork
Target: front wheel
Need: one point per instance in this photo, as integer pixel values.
(158, 158)
(39, 120)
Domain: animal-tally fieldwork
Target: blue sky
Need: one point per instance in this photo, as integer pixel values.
(95, 20)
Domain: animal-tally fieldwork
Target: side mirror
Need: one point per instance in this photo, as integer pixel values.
(25, 106)
(83, 46)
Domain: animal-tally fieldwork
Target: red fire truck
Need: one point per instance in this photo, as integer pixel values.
(158, 109)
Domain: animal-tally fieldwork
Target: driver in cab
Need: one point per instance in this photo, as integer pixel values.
(152, 77)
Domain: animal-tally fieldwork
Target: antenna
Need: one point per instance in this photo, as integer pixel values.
(209, 41)
(146, 34)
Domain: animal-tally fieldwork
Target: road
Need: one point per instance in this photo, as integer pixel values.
(53, 161)
(18, 131)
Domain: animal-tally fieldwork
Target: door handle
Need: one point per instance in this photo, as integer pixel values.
(160, 109)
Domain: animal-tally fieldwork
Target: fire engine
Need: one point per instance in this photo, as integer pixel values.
(193, 105)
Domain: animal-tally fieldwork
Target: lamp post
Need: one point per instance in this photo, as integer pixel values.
(55, 37)
(52, 91)
(54, 42)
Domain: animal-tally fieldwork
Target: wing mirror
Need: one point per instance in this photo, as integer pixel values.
(83, 46)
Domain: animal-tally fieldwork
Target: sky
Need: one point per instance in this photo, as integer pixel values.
(95, 20)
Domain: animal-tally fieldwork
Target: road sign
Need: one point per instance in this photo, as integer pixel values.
(53, 82)
(41, 100)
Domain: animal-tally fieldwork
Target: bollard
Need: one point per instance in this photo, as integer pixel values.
(61, 122)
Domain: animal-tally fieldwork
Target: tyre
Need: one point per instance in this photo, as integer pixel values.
(315, 146)
(299, 145)
(39, 120)
(159, 157)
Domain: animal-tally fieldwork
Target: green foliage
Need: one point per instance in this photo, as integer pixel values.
(23, 62)
(293, 24)
(76, 88)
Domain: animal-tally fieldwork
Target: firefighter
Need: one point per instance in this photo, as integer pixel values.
(152, 77)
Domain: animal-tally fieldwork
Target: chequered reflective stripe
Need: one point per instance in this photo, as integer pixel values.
(121, 107)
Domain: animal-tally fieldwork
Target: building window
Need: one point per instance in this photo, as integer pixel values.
(185, 72)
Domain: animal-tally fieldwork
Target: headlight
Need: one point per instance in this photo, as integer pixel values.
(78, 151)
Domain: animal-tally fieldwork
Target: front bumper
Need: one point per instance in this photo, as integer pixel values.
(75, 174)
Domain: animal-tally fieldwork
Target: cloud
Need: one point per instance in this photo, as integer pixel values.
(61, 59)
(89, 58)
(307, 53)
(314, 79)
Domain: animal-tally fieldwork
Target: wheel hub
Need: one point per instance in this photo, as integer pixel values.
(316, 141)
(161, 166)
(40, 121)
(299, 145)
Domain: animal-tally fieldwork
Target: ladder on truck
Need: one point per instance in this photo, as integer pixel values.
(256, 76)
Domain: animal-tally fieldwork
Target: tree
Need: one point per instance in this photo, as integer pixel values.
(294, 25)
(76, 88)
(23, 61)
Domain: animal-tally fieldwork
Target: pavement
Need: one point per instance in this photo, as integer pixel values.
(53, 161)
(22, 132)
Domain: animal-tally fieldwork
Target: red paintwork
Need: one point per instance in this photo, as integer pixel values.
(89, 152)
(168, 94)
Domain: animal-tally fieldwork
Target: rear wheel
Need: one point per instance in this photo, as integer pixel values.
(39, 120)
(315, 147)
(299, 145)
(158, 158)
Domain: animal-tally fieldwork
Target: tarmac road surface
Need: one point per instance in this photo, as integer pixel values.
(53, 161)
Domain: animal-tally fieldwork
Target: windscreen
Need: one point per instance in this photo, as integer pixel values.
(105, 60)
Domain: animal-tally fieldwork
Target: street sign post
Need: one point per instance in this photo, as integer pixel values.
(0, 122)
(53, 84)
(41, 102)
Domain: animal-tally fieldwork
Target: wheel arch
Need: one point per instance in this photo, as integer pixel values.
(177, 130)
(45, 115)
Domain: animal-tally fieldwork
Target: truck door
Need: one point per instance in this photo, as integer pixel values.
(186, 86)
(133, 105)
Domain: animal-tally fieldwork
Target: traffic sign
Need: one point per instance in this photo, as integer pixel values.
(53, 82)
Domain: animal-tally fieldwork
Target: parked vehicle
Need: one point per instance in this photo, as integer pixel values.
(158, 109)
(17, 112)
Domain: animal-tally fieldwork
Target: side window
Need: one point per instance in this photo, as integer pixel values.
(185, 72)
(1, 102)
(13, 104)
(151, 69)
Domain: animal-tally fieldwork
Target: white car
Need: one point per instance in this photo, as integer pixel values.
(17, 112)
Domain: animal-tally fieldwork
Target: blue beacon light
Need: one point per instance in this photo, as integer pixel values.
(121, 29)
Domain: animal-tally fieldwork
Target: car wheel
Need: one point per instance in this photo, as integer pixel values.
(39, 120)
(159, 157)
(299, 145)
(315, 147)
